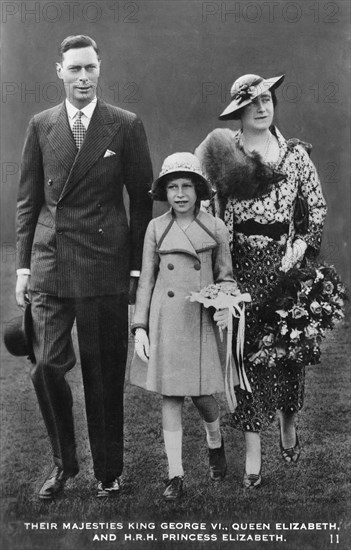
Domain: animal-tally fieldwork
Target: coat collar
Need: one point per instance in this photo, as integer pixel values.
(103, 126)
(197, 238)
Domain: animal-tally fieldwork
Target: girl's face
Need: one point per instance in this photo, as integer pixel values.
(181, 195)
(258, 115)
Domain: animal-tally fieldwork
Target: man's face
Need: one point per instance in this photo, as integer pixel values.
(79, 70)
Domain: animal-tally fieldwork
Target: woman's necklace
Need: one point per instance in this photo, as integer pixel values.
(266, 147)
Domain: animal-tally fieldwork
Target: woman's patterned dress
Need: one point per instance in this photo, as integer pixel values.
(256, 263)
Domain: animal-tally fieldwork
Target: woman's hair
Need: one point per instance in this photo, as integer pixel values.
(237, 114)
(160, 192)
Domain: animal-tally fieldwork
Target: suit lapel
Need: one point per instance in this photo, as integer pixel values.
(61, 138)
(100, 132)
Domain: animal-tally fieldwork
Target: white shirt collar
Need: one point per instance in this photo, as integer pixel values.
(87, 110)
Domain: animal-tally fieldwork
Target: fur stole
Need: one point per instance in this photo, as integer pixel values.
(233, 172)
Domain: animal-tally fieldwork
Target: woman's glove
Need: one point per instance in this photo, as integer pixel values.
(142, 346)
(293, 255)
(221, 317)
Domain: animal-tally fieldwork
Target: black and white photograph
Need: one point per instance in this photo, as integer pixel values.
(175, 275)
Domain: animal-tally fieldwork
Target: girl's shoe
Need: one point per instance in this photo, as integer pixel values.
(174, 488)
(292, 454)
(218, 463)
(252, 481)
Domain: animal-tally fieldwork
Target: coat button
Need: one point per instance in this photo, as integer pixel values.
(170, 293)
(50, 182)
(197, 267)
(60, 232)
(60, 206)
(101, 230)
(170, 266)
(98, 205)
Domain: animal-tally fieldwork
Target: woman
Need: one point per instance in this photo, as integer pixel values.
(185, 250)
(258, 176)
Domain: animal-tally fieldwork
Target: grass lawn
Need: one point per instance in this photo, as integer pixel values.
(316, 490)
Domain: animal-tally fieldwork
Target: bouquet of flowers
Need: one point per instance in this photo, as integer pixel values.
(221, 296)
(305, 303)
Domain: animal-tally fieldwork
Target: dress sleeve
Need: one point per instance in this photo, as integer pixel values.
(222, 259)
(147, 280)
(311, 190)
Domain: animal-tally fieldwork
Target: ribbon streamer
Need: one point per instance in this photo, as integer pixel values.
(235, 371)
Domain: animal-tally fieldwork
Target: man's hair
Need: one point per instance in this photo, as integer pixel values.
(77, 41)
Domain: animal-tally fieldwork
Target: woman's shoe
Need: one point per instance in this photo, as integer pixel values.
(252, 481)
(290, 455)
(174, 488)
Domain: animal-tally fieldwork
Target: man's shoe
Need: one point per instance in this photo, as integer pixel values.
(218, 463)
(174, 488)
(107, 490)
(54, 483)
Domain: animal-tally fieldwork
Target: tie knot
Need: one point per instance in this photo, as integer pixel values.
(79, 115)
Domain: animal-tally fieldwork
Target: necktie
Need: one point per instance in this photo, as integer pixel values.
(78, 130)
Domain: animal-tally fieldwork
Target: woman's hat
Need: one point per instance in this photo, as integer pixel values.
(18, 335)
(183, 164)
(245, 89)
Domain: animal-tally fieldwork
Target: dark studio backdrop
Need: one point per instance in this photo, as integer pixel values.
(173, 62)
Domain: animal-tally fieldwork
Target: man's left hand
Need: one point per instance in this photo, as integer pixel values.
(133, 285)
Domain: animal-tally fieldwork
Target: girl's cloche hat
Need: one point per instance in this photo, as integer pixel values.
(245, 89)
(182, 164)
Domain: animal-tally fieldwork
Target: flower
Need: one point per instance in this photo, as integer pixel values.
(293, 319)
(298, 312)
(282, 313)
(328, 287)
(316, 308)
(268, 340)
(295, 334)
(327, 308)
(310, 331)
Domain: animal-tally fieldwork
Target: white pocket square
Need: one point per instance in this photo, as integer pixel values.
(109, 153)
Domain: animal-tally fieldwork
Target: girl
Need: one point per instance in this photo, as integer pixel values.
(185, 250)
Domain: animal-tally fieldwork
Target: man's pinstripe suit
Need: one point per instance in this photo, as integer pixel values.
(73, 234)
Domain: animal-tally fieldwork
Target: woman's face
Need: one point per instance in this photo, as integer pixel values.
(181, 195)
(258, 115)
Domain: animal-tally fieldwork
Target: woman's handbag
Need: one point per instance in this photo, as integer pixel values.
(300, 213)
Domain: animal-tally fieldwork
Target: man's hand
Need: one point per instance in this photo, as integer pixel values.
(293, 255)
(221, 317)
(22, 290)
(133, 285)
(142, 346)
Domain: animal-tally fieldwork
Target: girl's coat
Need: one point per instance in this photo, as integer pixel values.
(184, 356)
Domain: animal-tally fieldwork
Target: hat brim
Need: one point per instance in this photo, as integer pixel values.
(158, 193)
(260, 88)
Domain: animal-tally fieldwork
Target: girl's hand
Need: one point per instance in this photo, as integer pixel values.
(293, 255)
(142, 346)
(222, 318)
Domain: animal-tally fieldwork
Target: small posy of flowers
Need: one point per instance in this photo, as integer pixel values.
(305, 303)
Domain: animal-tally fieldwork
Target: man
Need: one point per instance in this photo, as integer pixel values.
(76, 253)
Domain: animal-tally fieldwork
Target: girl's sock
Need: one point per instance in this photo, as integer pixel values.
(213, 434)
(173, 445)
